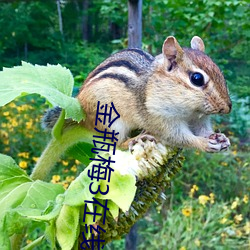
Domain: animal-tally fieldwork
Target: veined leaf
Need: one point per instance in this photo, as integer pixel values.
(53, 82)
(82, 152)
(67, 226)
(122, 190)
(9, 168)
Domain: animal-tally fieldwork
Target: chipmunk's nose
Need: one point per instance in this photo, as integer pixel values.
(227, 108)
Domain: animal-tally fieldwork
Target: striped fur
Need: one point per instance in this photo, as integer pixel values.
(155, 94)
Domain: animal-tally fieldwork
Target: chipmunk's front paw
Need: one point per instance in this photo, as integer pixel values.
(217, 142)
(141, 139)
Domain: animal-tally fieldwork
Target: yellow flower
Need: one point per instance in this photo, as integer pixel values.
(35, 159)
(14, 123)
(24, 154)
(197, 242)
(23, 164)
(238, 233)
(29, 124)
(245, 199)
(12, 105)
(234, 152)
(77, 162)
(223, 235)
(203, 199)
(6, 113)
(65, 163)
(224, 164)
(183, 248)
(238, 218)
(73, 168)
(211, 195)
(193, 190)
(70, 178)
(187, 211)
(223, 220)
(235, 203)
(55, 178)
(65, 185)
(4, 134)
(247, 227)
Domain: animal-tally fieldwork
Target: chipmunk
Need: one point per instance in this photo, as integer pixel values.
(170, 97)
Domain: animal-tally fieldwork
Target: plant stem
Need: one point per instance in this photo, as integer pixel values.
(56, 147)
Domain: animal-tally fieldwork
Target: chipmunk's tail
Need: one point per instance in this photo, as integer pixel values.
(50, 117)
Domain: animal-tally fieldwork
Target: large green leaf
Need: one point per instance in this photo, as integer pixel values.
(53, 82)
(9, 168)
(82, 152)
(21, 199)
(67, 226)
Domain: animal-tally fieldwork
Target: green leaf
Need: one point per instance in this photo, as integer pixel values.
(82, 152)
(57, 129)
(39, 194)
(122, 189)
(9, 168)
(113, 209)
(11, 183)
(78, 190)
(50, 234)
(53, 82)
(67, 226)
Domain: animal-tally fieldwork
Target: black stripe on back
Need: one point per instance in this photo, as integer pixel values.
(118, 63)
(142, 53)
(118, 77)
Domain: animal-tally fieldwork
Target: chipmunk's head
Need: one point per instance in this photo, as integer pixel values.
(198, 77)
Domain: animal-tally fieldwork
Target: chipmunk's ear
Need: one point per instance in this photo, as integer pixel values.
(171, 49)
(197, 43)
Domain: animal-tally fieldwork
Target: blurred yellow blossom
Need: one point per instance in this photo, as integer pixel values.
(77, 162)
(223, 220)
(234, 152)
(55, 178)
(235, 203)
(65, 163)
(29, 124)
(197, 242)
(24, 154)
(65, 185)
(203, 199)
(187, 211)
(35, 159)
(73, 168)
(211, 195)
(183, 248)
(238, 218)
(238, 233)
(28, 241)
(6, 113)
(23, 164)
(193, 190)
(223, 235)
(14, 123)
(70, 178)
(245, 199)
(225, 164)
(247, 227)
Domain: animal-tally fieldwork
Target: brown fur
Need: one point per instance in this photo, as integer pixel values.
(156, 95)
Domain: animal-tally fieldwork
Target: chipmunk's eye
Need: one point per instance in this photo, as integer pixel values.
(197, 79)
